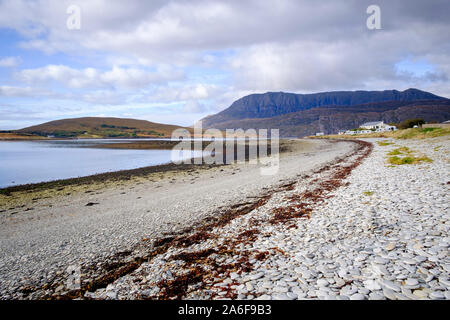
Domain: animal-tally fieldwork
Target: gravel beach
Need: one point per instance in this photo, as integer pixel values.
(337, 222)
(378, 232)
(40, 240)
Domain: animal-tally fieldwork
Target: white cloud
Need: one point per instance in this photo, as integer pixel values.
(183, 92)
(194, 107)
(12, 91)
(10, 62)
(117, 77)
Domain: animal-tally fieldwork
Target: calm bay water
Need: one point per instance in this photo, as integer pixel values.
(24, 162)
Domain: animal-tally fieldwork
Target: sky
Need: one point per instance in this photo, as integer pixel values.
(178, 61)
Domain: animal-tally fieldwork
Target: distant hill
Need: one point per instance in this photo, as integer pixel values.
(328, 112)
(98, 127)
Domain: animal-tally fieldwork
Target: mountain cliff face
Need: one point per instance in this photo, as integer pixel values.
(300, 115)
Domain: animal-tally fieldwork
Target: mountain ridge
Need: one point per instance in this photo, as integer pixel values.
(343, 108)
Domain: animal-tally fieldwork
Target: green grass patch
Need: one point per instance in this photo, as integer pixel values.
(408, 160)
(383, 143)
(401, 150)
(394, 153)
(425, 130)
(424, 159)
(399, 161)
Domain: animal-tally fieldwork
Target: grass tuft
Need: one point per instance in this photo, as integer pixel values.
(383, 143)
(401, 150)
(408, 160)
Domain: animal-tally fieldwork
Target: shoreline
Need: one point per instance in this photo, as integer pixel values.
(130, 173)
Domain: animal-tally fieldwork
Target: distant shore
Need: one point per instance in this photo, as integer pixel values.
(12, 136)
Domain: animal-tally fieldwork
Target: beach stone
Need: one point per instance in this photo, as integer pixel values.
(280, 289)
(420, 259)
(376, 296)
(339, 282)
(390, 285)
(306, 274)
(390, 246)
(420, 293)
(322, 282)
(380, 270)
(256, 276)
(281, 296)
(234, 275)
(292, 295)
(59, 288)
(408, 294)
(411, 282)
(437, 295)
(410, 261)
(342, 273)
(400, 296)
(445, 282)
(390, 294)
(111, 294)
(348, 291)
(299, 292)
(380, 260)
(372, 285)
(434, 258)
(363, 291)
(357, 296)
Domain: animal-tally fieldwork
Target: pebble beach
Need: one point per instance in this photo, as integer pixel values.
(383, 234)
(351, 226)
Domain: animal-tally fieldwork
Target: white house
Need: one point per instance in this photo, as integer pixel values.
(378, 126)
(370, 127)
(319, 133)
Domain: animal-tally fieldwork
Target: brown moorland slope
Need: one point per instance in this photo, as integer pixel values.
(99, 127)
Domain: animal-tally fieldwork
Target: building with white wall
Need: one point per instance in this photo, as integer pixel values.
(377, 126)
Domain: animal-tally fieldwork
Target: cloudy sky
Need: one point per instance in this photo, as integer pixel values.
(177, 61)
